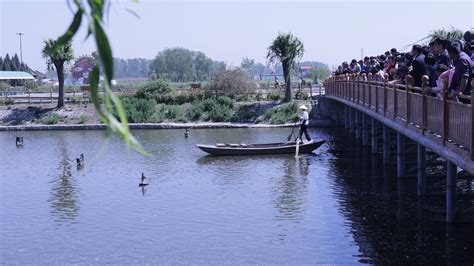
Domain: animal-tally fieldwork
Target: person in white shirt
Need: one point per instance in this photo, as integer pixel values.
(304, 121)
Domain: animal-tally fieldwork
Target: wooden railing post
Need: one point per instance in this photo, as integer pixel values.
(51, 96)
(369, 80)
(425, 88)
(395, 102)
(472, 121)
(377, 77)
(353, 88)
(445, 118)
(363, 88)
(29, 95)
(408, 87)
(385, 94)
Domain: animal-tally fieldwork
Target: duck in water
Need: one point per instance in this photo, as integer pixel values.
(80, 161)
(19, 141)
(143, 182)
(186, 133)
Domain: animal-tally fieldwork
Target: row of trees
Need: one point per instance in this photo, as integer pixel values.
(12, 64)
(181, 65)
(131, 68)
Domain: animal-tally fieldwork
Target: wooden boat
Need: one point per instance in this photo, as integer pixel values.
(260, 149)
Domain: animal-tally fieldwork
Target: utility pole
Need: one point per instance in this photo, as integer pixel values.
(21, 49)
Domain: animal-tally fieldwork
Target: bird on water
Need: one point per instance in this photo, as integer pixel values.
(19, 141)
(80, 161)
(143, 181)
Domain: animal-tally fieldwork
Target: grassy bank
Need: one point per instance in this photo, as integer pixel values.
(160, 102)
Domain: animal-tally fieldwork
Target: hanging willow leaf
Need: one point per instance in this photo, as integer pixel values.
(104, 50)
(94, 84)
(95, 15)
(73, 28)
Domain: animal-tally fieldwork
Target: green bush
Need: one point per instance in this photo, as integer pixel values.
(173, 113)
(301, 95)
(83, 119)
(138, 110)
(245, 113)
(274, 96)
(226, 101)
(282, 114)
(217, 110)
(223, 114)
(7, 101)
(74, 99)
(51, 119)
(153, 89)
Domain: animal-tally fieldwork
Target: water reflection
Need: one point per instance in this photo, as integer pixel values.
(64, 193)
(389, 222)
(291, 189)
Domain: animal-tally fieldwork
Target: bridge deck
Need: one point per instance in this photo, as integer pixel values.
(442, 125)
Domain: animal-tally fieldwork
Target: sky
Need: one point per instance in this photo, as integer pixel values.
(331, 31)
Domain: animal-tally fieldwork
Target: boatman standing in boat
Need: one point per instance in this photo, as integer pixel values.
(304, 121)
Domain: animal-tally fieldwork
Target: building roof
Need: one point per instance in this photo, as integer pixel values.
(16, 75)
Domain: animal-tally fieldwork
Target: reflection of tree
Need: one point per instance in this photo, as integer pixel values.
(63, 196)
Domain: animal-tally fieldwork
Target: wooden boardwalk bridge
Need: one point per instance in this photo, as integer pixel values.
(443, 126)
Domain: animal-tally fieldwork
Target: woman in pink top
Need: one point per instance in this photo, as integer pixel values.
(445, 77)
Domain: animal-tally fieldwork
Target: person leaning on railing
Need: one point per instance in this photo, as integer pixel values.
(445, 76)
(461, 81)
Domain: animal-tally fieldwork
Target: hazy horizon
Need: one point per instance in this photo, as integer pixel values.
(227, 31)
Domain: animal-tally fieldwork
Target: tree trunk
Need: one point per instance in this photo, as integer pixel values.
(286, 75)
(60, 71)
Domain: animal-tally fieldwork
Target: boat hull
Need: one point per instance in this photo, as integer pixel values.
(261, 149)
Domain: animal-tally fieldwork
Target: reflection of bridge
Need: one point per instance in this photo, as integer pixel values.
(445, 127)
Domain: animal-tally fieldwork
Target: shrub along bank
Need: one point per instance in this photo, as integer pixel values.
(157, 102)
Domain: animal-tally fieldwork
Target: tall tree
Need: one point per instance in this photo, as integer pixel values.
(180, 64)
(286, 48)
(58, 57)
(15, 63)
(7, 63)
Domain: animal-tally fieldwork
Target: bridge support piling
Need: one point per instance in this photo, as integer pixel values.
(358, 130)
(451, 192)
(346, 117)
(374, 136)
(400, 155)
(365, 132)
(421, 160)
(386, 144)
(351, 120)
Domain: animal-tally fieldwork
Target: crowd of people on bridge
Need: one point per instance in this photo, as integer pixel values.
(449, 66)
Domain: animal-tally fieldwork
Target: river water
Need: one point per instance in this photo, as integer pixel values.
(337, 206)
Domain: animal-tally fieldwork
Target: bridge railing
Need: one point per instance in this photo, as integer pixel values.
(449, 122)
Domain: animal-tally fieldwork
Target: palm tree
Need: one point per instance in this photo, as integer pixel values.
(451, 34)
(286, 48)
(58, 57)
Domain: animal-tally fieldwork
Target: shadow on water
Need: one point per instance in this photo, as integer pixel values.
(388, 221)
(64, 192)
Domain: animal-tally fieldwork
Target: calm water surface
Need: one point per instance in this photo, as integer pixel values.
(336, 206)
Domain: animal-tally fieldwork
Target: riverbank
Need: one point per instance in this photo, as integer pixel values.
(199, 125)
(83, 116)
